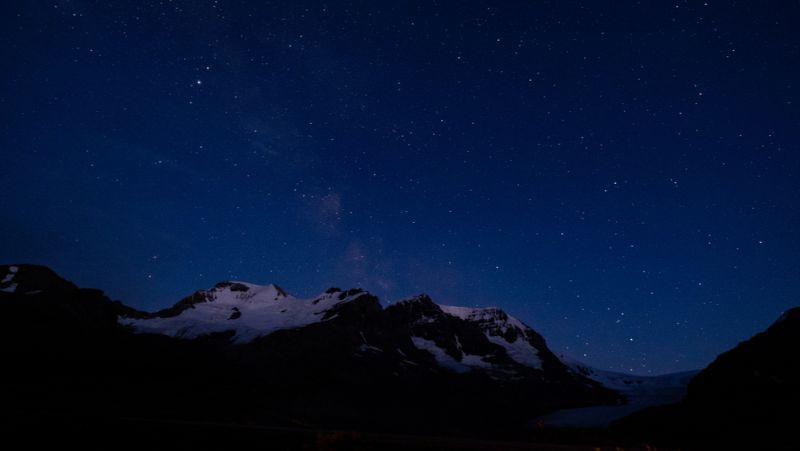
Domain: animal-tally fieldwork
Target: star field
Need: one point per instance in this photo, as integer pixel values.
(622, 176)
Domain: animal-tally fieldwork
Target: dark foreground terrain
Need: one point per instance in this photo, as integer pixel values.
(143, 433)
(749, 396)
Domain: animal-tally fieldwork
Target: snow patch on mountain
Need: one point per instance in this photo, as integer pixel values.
(8, 278)
(485, 315)
(248, 310)
(520, 351)
(446, 360)
(496, 325)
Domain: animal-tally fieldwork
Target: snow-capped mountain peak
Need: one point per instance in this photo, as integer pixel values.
(248, 310)
(520, 341)
(242, 292)
(492, 319)
(521, 344)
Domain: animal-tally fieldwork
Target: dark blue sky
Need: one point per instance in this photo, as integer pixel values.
(620, 176)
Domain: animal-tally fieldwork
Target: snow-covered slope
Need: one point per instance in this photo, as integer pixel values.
(503, 330)
(248, 310)
(466, 363)
(483, 339)
(639, 391)
(251, 311)
(7, 284)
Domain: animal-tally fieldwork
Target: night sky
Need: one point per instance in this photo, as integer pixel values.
(623, 177)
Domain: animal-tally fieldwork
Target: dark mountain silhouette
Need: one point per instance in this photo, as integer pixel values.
(73, 356)
(749, 396)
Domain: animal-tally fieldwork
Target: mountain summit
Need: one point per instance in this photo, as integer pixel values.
(246, 309)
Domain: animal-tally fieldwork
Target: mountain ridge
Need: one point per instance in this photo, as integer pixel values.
(250, 311)
(341, 348)
(420, 365)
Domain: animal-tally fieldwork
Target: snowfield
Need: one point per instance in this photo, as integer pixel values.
(495, 327)
(640, 392)
(444, 359)
(8, 278)
(249, 310)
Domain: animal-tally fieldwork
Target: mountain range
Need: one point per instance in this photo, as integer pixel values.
(246, 354)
